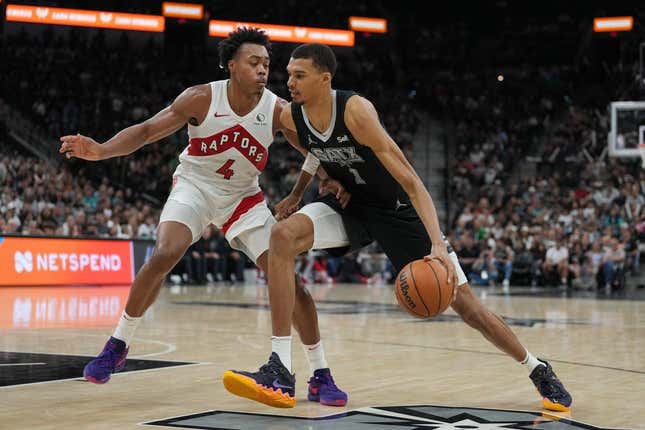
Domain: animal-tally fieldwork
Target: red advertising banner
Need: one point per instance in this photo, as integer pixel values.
(46, 261)
(614, 23)
(61, 307)
(287, 33)
(183, 10)
(368, 25)
(85, 18)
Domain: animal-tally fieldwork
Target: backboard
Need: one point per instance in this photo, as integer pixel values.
(627, 129)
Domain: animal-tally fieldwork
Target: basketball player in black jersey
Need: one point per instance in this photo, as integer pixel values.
(389, 204)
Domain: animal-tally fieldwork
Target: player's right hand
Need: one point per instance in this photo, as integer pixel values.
(286, 207)
(440, 253)
(79, 146)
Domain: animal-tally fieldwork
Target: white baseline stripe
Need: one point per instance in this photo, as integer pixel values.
(22, 364)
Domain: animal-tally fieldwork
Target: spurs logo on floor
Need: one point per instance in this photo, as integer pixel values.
(17, 368)
(384, 418)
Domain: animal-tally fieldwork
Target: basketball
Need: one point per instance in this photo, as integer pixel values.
(422, 288)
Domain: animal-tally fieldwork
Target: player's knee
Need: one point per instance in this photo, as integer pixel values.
(283, 238)
(165, 257)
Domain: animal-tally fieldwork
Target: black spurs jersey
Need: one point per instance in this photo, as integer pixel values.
(352, 164)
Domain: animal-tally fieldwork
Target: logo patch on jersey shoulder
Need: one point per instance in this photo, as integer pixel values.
(236, 137)
(260, 119)
(219, 115)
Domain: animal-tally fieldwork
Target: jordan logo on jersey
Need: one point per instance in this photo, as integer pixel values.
(344, 156)
(311, 140)
(235, 137)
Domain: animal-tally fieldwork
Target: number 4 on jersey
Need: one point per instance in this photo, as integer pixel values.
(226, 169)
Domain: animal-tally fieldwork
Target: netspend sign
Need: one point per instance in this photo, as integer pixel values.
(47, 261)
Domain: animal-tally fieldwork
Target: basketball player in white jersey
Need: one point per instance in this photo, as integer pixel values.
(231, 124)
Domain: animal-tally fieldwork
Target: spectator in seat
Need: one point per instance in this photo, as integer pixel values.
(576, 260)
(557, 261)
(613, 264)
(632, 252)
(484, 269)
(468, 252)
(504, 256)
(215, 254)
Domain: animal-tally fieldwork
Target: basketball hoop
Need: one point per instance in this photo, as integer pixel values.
(641, 149)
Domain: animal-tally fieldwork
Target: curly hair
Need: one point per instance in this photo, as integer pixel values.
(228, 47)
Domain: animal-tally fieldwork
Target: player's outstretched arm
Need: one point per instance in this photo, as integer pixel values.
(362, 121)
(190, 105)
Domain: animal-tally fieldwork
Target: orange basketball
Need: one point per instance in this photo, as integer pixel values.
(422, 288)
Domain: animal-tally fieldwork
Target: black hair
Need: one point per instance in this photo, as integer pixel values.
(321, 55)
(228, 47)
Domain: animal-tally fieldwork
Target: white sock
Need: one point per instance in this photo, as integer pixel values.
(531, 362)
(126, 327)
(315, 356)
(281, 345)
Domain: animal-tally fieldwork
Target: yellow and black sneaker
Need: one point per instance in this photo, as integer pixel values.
(554, 396)
(272, 385)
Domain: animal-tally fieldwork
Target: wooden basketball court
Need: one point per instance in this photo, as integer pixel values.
(378, 354)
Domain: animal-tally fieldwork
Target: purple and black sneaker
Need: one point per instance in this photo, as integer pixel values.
(109, 361)
(323, 389)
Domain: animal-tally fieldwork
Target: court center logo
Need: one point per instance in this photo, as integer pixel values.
(424, 417)
(23, 262)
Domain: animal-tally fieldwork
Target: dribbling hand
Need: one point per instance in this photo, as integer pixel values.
(440, 253)
(79, 146)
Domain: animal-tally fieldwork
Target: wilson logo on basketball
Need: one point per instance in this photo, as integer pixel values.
(403, 279)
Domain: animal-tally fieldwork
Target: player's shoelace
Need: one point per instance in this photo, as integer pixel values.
(272, 367)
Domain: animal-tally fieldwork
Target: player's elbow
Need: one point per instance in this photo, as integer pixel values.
(411, 185)
(145, 132)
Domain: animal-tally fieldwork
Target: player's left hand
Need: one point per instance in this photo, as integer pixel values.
(329, 185)
(286, 207)
(440, 253)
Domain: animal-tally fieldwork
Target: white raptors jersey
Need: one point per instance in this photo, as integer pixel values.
(228, 151)
(218, 172)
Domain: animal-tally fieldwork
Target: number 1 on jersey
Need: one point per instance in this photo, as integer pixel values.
(226, 169)
(357, 176)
